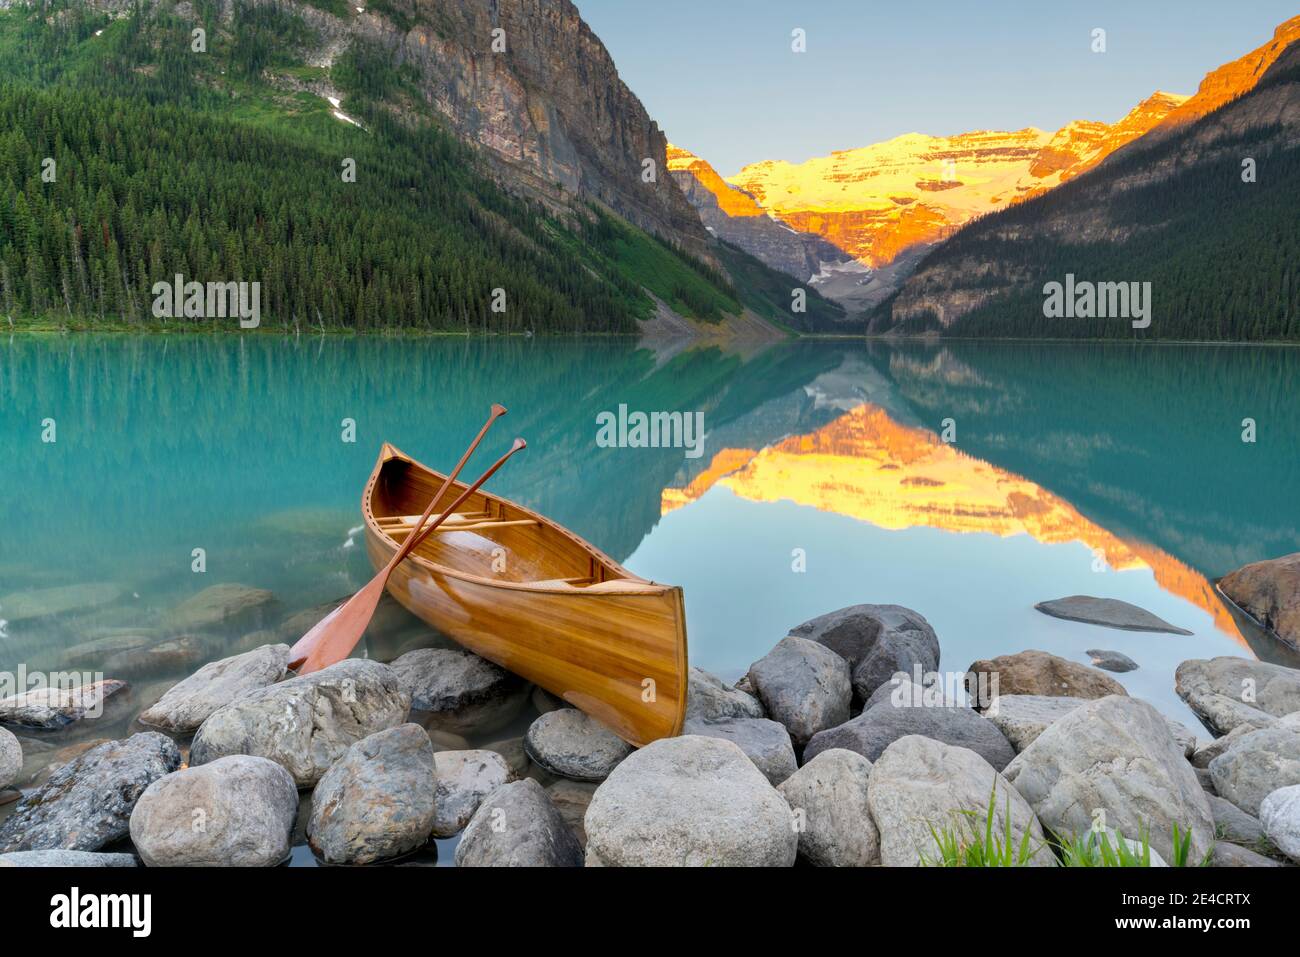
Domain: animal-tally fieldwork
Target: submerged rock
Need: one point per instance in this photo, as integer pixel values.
(1256, 766)
(378, 801)
(1111, 660)
(223, 604)
(1039, 673)
(518, 826)
(187, 704)
(571, 744)
(920, 783)
(1270, 592)
(62, 600)
(11, 758)
(1109, 613)
(306, 723)
(235, 812)
(51, 707)
(828, 797)
(1279, 814)
(877, 641)
(804, 685)
(767, 743)
(458, 691)
(464, 778)
(1226, 692)
(689, 801)
(871, 732)
(708, 699)
(168, 655)
(87, 803)
(66, 859)
(1114, 755)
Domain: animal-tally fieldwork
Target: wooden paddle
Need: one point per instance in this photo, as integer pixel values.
(336, 636)
(356, 612)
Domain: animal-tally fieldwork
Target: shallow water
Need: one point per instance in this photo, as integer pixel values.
(1110, 470)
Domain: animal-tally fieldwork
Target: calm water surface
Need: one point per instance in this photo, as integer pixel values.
(1109, 470)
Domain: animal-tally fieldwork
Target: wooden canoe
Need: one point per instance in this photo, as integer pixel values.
(523, 591)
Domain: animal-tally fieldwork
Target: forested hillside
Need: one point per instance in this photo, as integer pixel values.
(127, 158)
(1219, 243)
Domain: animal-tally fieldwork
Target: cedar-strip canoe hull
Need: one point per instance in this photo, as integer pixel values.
(617, 652)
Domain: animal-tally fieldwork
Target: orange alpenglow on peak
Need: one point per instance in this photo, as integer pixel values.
(1235, 78)
(731, 200)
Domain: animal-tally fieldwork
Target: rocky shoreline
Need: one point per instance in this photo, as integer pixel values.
(844, 745)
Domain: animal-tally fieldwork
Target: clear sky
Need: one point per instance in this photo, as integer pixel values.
(720, 77)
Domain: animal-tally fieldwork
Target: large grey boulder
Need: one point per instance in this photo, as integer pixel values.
(235, 812)
(1257, 765)
(708, 699)
(1270, 592)
(464, 779)
(51, 707)
(1279, 814)
(571, 744)
(1022, 718)
(1114, 757)
(920, 786)
(828, 796)
(376, 802)
(1227, 854)
(67, 859)
(187, 704)
(871, 732)
(1107, 612)
(904, 692)
(455, 690)
(804, 685)
(767, 743)
(1228, 691)
(518, 826)
(1208, 751)
(1039, 673)
(877, 641)
(1231, 823)
(306, 723)
(11, 758)
(689, 801)
(87, 803)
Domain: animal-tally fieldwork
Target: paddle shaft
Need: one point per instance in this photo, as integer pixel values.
(414, 538)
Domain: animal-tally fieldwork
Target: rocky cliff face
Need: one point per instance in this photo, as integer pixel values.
(732, 214)
(541, 97)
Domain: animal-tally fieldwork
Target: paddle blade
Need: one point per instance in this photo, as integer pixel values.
(335, 635)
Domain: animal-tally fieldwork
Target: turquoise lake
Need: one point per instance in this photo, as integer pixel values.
(825, 480)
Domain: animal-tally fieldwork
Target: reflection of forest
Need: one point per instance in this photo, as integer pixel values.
(1145, 440)
(159, 437)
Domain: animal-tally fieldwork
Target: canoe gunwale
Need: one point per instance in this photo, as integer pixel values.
(391, 452)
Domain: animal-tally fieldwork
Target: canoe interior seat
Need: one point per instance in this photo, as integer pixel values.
(399, 524)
